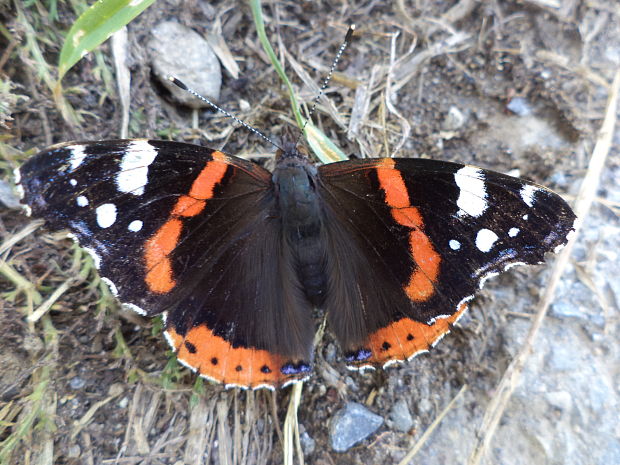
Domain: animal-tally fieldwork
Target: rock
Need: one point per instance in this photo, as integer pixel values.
(8, 197)
(454, 120)
(77, 383)
(307, 443)
(352, 424)
(401, 417)
(183, 53)
(519, 106)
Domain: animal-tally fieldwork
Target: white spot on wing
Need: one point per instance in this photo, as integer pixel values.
(134, 167)
(263, 386)
(392, 362)
(415, 354)
(512, 232)
(526, 217)
(472, 196)
(187, 365)
(170, 341)
(81, 201)
(512, 265)
(73, 182)
(527, 194)
(454, 244)
(111, 285)
(106, 215)
(76, 156)
(135, 226)
(361, 368)
(135, 308)
(486, 277)
(485, 240)
(293, 381)
(235, 385)
(95, 256)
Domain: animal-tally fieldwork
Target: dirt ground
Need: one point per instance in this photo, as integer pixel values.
(514, 86)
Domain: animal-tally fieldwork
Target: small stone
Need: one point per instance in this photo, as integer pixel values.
(8, 197)
(183, 53)
(74, 451)
(454, 120)
(519, 106)
(77, 383)
(352, 424)
(401, 417)
(307, 443)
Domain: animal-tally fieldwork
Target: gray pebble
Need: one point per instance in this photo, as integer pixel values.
(8, 197)
(352, 424)
(519, 106)
(454, 120)
(77, 383)
(307, 443)
(183, 53)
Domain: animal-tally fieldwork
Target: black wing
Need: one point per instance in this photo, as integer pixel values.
(186, 230)
(411, 240)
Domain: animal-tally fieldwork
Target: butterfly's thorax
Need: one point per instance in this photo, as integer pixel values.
(299, 210)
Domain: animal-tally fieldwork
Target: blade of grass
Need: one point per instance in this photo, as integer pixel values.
(320, 144)
(94, 26)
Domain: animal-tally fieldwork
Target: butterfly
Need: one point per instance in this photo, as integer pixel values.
(237, 258)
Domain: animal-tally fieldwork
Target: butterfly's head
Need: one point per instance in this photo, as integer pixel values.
(291, 150)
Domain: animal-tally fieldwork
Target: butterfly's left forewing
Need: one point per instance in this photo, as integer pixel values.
(411, 240)
(114, 196)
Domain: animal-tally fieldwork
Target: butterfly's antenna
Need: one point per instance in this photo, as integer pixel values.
(180, 85)
(347, 40)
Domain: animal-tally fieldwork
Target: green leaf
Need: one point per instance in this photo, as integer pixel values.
(94, 26)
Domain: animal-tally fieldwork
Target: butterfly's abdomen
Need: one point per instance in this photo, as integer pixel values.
(301, 219)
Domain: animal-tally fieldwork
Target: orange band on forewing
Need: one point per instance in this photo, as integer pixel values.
(406, 338)
(215, 358)
(421, 284)
(159, 274)
(188, 206)
(409, 216)
(159, 277)
(211, 174)
(392, 183)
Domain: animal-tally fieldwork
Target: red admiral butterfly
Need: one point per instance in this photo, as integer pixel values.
(236, 258)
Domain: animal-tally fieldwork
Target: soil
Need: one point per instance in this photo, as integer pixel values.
(101, 385)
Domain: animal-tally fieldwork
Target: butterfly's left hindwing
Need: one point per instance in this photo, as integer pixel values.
(416, 238)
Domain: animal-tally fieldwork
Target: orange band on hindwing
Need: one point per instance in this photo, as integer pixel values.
(215, 358)
(421, 285)
(406, 338)
(159, 272)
